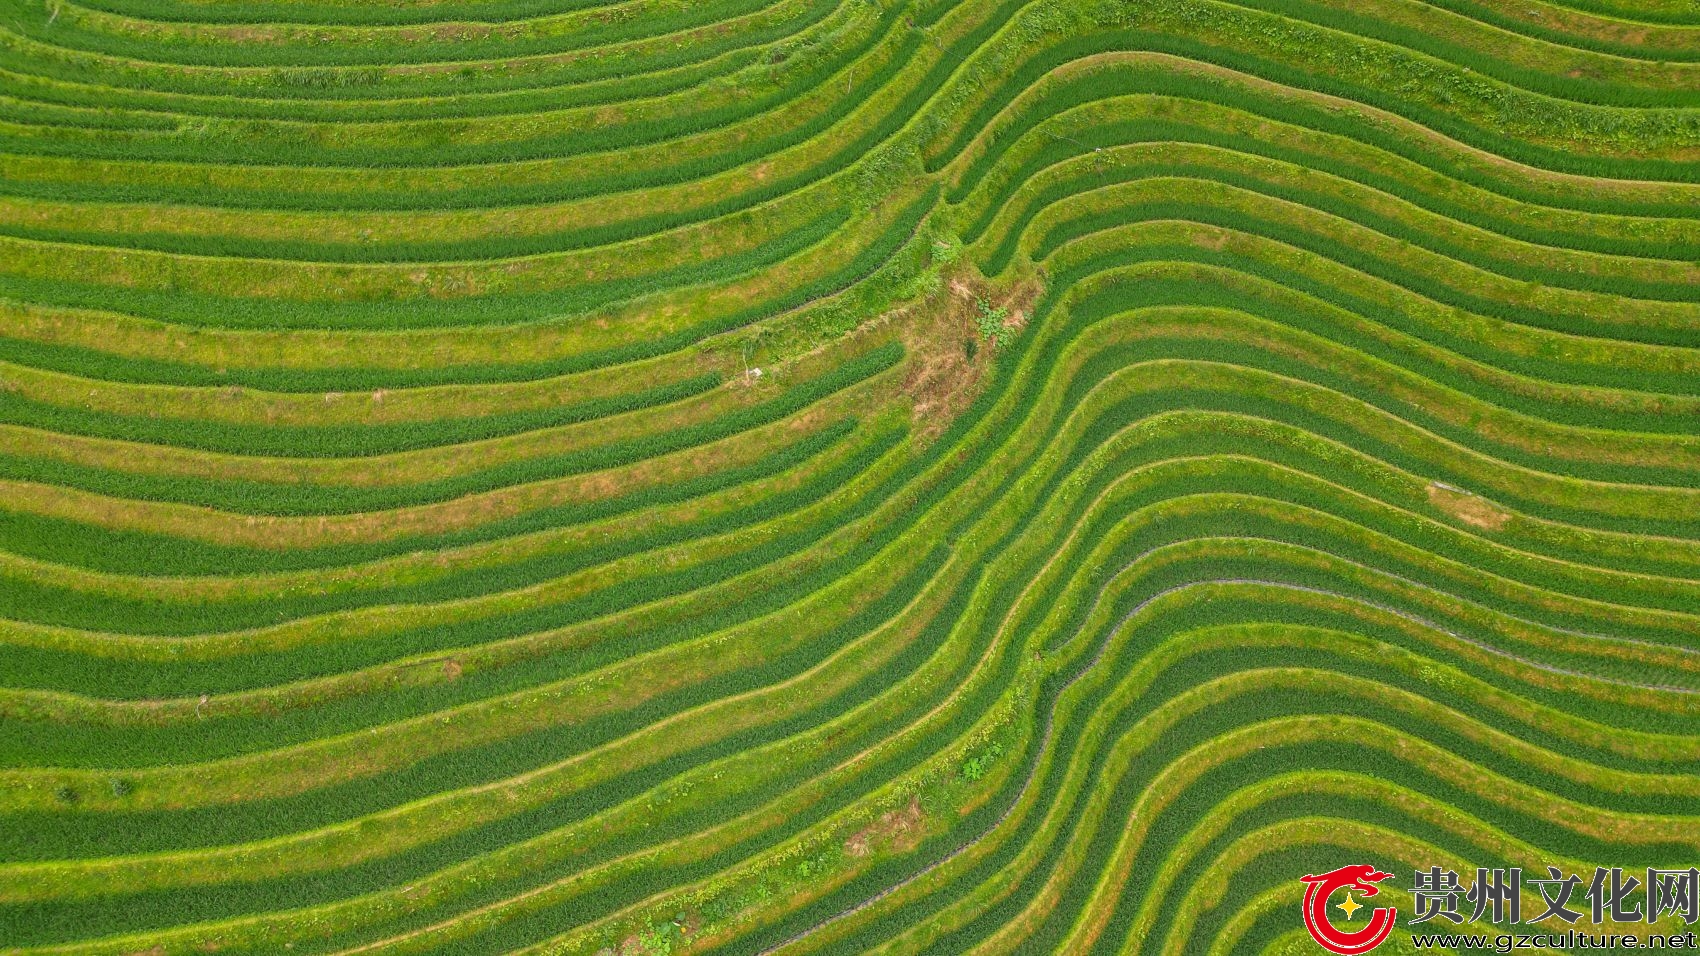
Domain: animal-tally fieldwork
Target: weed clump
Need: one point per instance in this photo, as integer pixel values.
(991, 325)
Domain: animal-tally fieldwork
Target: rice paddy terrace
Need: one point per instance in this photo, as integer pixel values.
(946, 476)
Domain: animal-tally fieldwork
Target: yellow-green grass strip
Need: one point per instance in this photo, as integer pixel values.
(1557, 185)
(1447, 328)
(1603, 310)
(1333, 154)
(278, 532)
(378, 622)
(407, 569)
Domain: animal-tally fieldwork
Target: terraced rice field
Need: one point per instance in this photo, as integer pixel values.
(936, 476)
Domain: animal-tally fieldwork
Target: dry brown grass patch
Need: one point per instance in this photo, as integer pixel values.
(896, 830)
(1466, 507)
(942, 379)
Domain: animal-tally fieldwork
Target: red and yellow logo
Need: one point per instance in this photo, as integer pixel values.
(1318, 889)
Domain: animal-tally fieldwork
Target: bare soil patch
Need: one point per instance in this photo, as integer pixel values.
(898, 830)
(948, 359)
(1468, 508)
